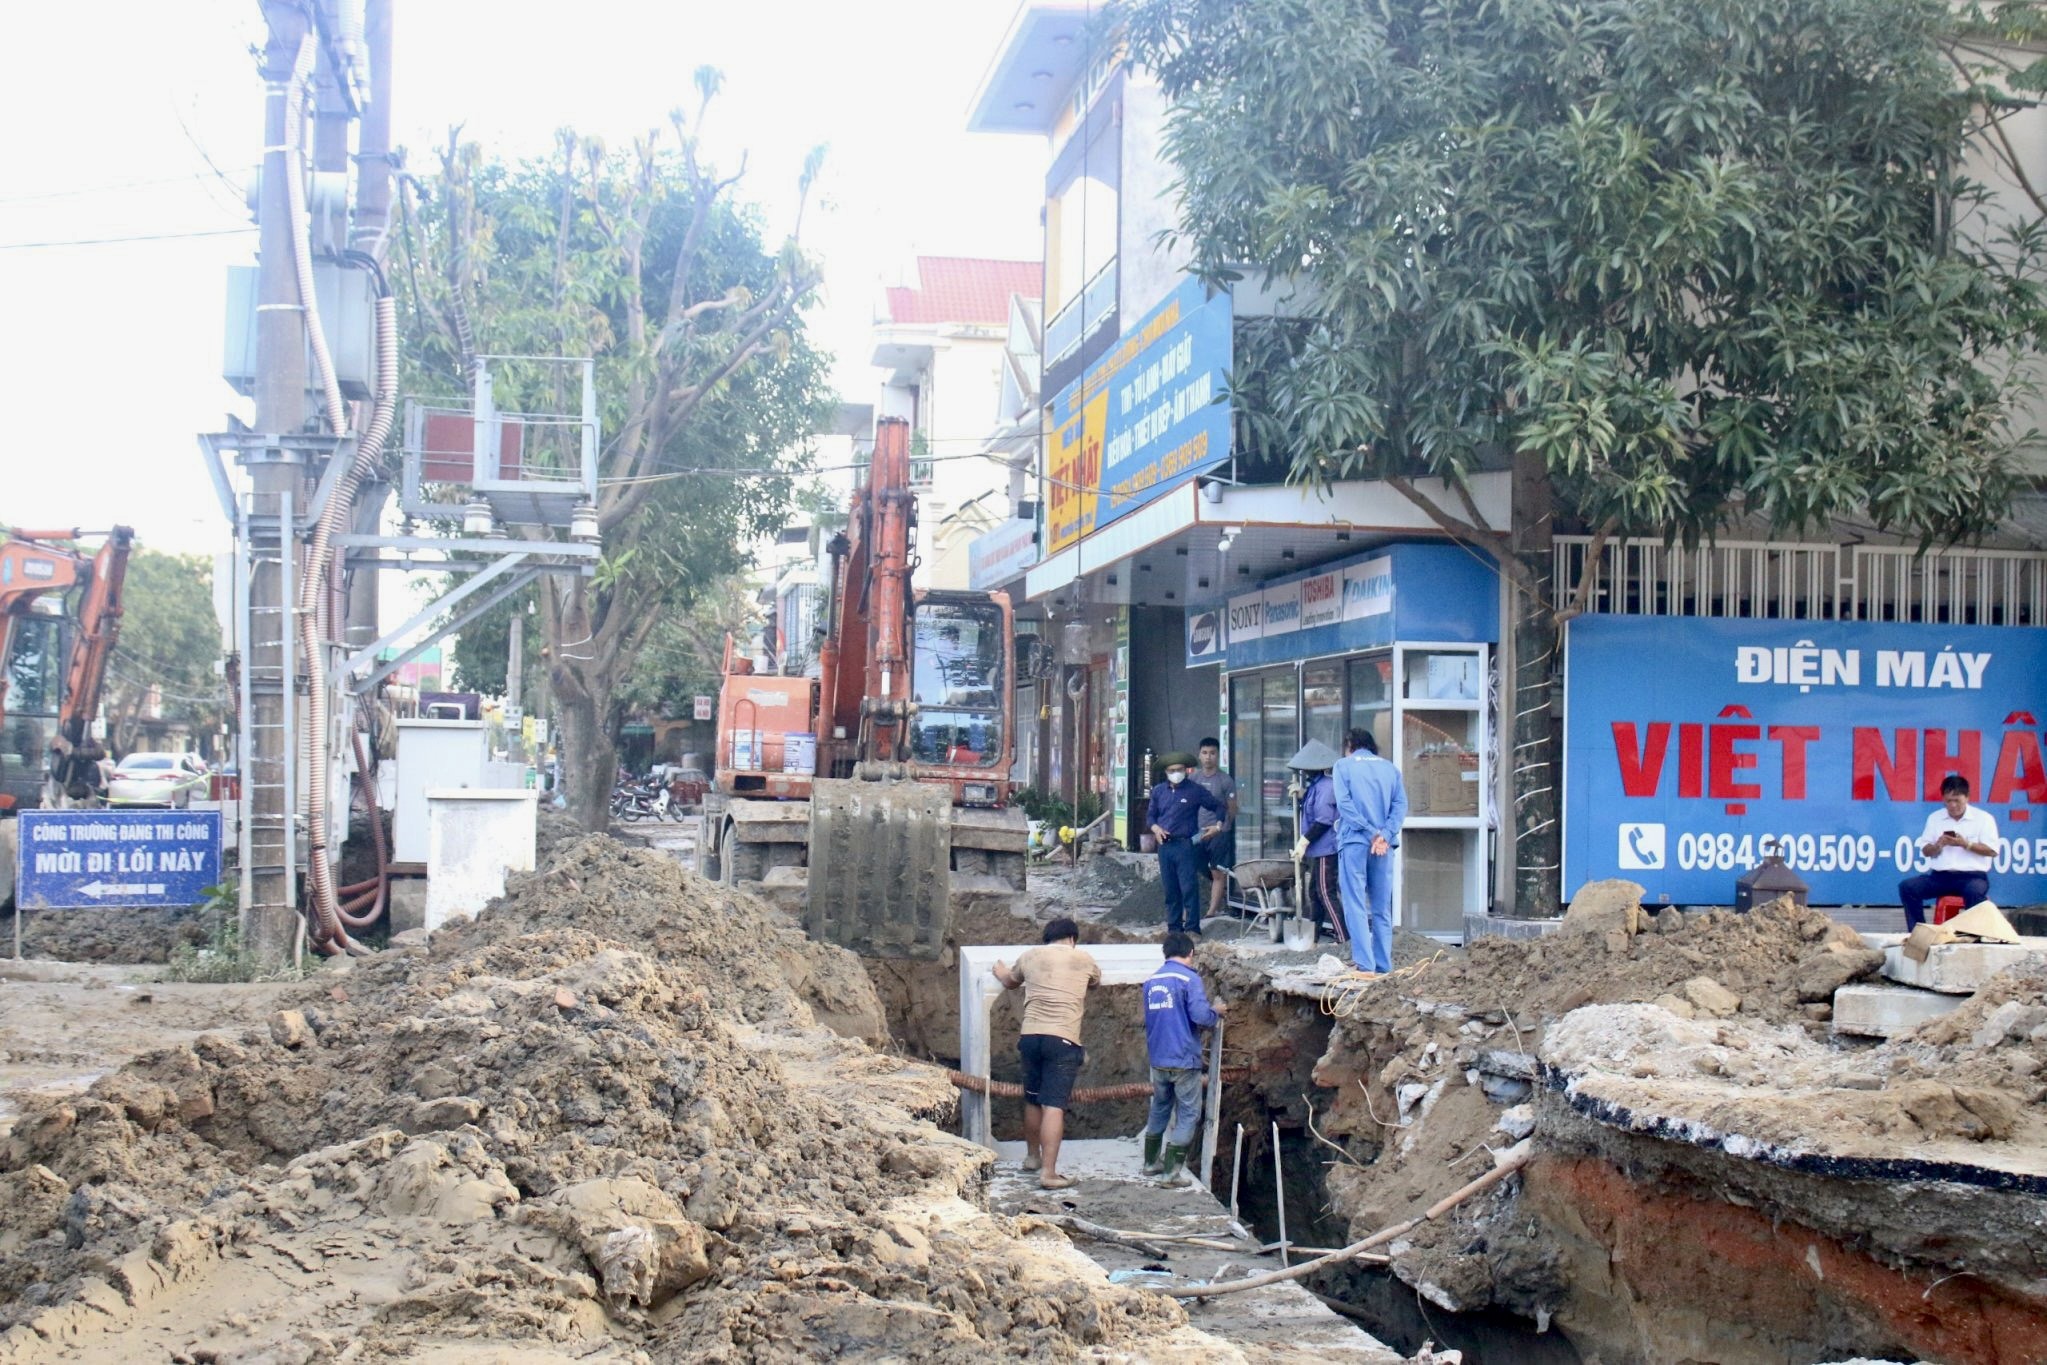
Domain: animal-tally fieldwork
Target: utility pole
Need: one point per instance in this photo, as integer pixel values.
(270, 923)
(515, 671)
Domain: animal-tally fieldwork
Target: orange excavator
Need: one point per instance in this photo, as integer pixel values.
(48, 742)
(881, 783)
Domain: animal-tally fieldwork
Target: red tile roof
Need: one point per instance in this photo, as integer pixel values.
(964, 289)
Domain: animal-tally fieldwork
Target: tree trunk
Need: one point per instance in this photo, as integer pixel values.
(589, 756)
(1536, 724)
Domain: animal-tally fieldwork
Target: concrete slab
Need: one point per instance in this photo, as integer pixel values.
(1886, 1011)
(1281, 1322)
(1960, 968)
(1122, 964)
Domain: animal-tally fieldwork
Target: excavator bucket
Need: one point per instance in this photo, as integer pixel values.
(880, 866)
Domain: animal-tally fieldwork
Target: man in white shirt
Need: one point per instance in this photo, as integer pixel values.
(1960, 843)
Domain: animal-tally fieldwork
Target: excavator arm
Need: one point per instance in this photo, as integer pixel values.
(32, 565)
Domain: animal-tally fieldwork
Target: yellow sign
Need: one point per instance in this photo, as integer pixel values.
(1076, 465)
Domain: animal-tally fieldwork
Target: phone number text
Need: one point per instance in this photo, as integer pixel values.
(1836, 852)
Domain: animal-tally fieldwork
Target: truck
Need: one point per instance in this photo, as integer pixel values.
(880, 780)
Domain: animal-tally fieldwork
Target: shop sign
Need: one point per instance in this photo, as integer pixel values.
(1283, 609)
(1002, 555)
(1321, 600)
(1693, 744)
(1208, 641)
(1368, 589)
(1246, 618)
(1143, 419)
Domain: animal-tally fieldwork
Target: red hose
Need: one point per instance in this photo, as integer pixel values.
(372, 892)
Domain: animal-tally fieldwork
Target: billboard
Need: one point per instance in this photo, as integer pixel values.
(1690, 743)
(1142, 419)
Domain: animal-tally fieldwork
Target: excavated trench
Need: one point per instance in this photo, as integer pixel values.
(1636, 1234)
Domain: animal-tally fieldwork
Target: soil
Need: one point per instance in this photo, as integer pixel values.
(134, 936)
(600, 1121)
(1712, 1024)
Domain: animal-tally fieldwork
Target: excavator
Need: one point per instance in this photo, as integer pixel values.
(881, 784)
(63, 763)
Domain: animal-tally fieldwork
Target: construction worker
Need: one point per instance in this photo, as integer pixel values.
(1176, 806)
(1371, 803)
(1055, 979)
(1315, 849)
(1216, 842)
(1175, 1006)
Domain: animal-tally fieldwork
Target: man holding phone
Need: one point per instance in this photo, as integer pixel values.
(1960, 843)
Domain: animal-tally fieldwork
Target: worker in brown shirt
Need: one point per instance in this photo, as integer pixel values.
(1055, 979)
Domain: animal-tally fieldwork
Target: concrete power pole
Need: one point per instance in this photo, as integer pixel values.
(278, 481)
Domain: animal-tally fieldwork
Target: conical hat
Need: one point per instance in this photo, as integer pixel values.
(1314, 757)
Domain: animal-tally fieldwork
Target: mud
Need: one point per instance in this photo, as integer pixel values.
(601, 1121)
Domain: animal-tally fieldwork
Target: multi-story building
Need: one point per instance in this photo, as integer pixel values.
(947, 345)
(1181, 589)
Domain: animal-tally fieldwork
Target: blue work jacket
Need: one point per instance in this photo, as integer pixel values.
(1318, 807)
(1176, 809)
(1370, 799)
(1175, 1005)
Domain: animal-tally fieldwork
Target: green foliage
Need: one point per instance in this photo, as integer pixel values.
(644, 261)
(1695, 254)
(169, 640)
(224, 957)
(1056, 811)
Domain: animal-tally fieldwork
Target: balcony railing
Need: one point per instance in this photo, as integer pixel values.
(1072, 325)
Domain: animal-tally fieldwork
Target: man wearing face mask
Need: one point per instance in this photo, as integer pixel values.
(1176, 806)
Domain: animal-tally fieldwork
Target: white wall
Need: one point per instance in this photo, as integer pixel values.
(1146, 272)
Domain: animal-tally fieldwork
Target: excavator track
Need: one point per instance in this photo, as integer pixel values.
(880, 867)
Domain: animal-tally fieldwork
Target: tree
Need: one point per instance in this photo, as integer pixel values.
(646, 262)
(1670, 261)
(168, 648)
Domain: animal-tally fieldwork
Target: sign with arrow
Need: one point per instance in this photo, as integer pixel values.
(81, 858)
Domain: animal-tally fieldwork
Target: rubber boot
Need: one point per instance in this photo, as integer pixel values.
(1152, 1165)
(1173, 1164)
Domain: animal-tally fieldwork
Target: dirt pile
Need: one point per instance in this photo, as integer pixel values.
(598, 1122)
(138, 936)
(1427, 1068)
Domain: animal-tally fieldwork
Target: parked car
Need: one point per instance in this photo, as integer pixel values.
(157, 780)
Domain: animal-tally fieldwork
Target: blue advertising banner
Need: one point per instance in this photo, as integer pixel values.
(1448, 595)
(75, 858)
(1690, 743)
(1143, 419)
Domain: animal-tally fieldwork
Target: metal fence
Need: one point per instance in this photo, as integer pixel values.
(1791, 580)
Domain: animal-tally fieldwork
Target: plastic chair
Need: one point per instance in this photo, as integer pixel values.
(1946, 908)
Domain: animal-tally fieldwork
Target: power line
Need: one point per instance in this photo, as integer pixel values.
(139, 237)
(115, 188)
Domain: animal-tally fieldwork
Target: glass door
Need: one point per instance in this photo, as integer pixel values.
(1247, 755)
(1280, 728)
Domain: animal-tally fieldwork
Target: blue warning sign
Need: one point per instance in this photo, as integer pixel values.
(72, 858)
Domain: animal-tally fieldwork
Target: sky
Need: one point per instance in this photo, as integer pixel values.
(143, 119)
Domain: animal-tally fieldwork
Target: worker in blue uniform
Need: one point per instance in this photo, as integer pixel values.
(1371, 804)
(1315, 848)
(1175, 814)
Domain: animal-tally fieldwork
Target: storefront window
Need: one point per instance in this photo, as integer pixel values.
(1435, 879)
(1246, 756)
(1281, 724)
(1322, 704)
(1433, 675)
(1439, 762)
(1371, 699)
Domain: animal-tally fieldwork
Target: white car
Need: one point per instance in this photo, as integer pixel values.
(157, 780)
